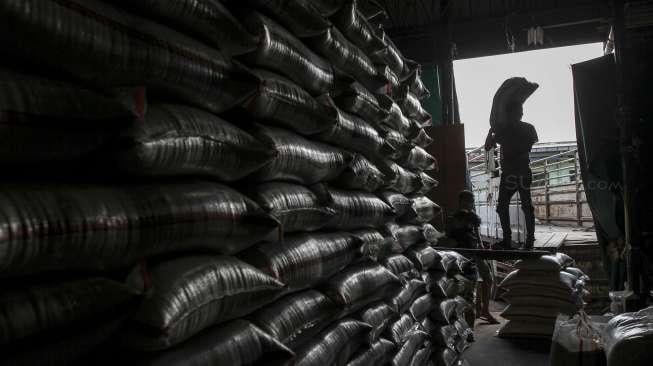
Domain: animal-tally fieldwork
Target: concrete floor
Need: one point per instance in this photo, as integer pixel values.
(490, 350)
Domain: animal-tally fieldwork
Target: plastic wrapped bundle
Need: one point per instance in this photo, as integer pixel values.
(334, 346)
(180, 140)
(74, 227)
(378, 353)
(445, 357)
(361, 284)
(427, 184)
(423, 356)
(628, 338)
(299, 160)
(402, 299)
(357, 100)
(353, 134)
(422, 209)
(412, 108)
(396, 119)
(44, 120)
(301, 17)
(405, 236)
(398, 331)
(297, 208)
(513, 90)
(295, 319)
(356, 27)
(379, 315)
(281, 102)
(445, 313)
(189, 294)
(418, 159)
(304, 260)
(414, 340)
(281, 52)
(374, 245)
(360, 174)
(357, 209)
(438, 284)
(206, 20)
(401, 266)
(399, 144)
(237, 342)
(346, 57)
(423, 256)
(31, 319)
(400, 203)
(149, 54)
(415, 85)
(422, 139)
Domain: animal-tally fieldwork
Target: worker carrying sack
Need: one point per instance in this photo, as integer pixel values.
(295, 319)
(357, 100)
(353, 134)
(357, 210)
(347, 58)
(379, 315)
(281, 102)
(86, 227)
(361, 284)
(45, 120)
(281, 52)
(301, 17)
(356, 28)
(360, 174)
(334, 346)
(378, 353)
(237, 342)
(91, 311)
(299, 160)
(297, 208)
(126, 51)
(511, 91)
(177, 140)
(206, 20)
(186, 295)
(304, 260)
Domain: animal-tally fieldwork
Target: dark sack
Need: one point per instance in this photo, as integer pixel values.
(415, 85)
(44, 120)
(361, 284)
(206, 20)
(85, 227)
(422, 139)
(357, 100)
(400, 203)
(281, 102)
(398, 331)
(178, 140)
(354, 134)
(445, 313)
(396, 119)
(402, 299)
(374, 245)
(334, 346)
(301, 17)
(357, 210)
(346, 57)
(426, 184)
(423, 305)
(297, 318)
(328, 7)
(360, 174)
(423, 256)
(297, 208)
(441, 335)
(379, 315)
(418, 159)
(412, 108)
(304, 260)
(356, 27)
(378, 353)
(186, 295)
(125, 51)
(390, 55)
(438, 284)
(414, 340)
(404, 236)
(421, 210)
(445, 357)
(406, 181)
(401, 266)
(299, 160)
(423, 356)
(237, 342)
(281, 52)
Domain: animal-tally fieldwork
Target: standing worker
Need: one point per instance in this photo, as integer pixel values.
(516, 139)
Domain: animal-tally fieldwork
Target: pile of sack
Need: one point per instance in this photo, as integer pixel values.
(537, 292)
(218, 182)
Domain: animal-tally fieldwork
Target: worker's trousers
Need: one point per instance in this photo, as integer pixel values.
(511, 183)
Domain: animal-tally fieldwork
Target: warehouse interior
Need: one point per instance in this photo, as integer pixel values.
(274, 182)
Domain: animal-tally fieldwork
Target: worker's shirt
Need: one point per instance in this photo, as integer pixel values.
(516, 142)
(463, 226)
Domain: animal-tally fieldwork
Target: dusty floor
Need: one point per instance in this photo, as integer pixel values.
(490, 350)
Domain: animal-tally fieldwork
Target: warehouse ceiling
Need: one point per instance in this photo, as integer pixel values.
(488, 27)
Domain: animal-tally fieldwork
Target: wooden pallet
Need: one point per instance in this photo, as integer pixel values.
(549, 241)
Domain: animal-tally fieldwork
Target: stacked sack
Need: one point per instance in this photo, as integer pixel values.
(212, 182)
(627, 338)
(538, 291)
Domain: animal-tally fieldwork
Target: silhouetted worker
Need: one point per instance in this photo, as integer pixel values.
(516, 139)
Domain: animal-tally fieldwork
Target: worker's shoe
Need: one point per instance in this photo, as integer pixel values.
(528, 245)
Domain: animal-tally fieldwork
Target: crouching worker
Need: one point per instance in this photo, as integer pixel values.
(463, 228)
